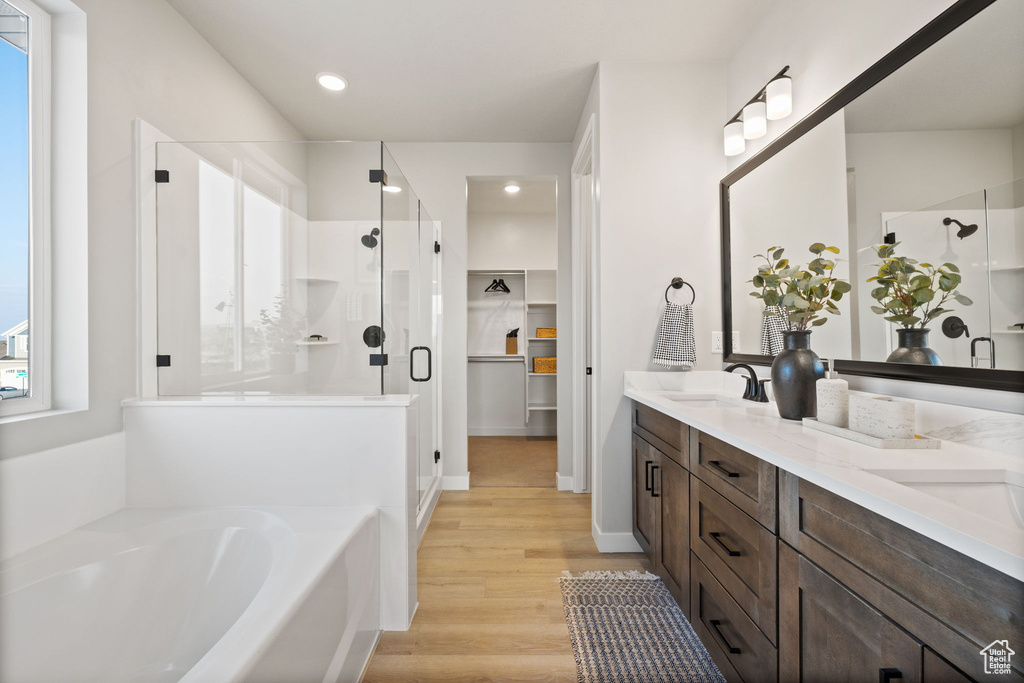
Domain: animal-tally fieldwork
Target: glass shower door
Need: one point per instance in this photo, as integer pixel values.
(411, 319)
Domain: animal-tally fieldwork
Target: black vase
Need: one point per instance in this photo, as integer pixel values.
(794, 372)
(913, 348)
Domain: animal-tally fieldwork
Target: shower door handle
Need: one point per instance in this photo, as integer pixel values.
(430, 364)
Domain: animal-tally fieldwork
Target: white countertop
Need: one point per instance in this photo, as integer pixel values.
(256, 401)
(840, 465)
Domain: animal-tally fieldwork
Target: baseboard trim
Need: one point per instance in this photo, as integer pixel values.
(563, 483)
(457, 483)
(619, 542)
(423, 520)
(513, 431)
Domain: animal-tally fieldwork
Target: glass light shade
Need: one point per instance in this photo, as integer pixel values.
(779, 96)
(755, 122)
(734, 143)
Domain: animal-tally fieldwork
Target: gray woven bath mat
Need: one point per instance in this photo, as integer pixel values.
(625, 626)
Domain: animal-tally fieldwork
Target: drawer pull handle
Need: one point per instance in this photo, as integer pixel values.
(647, 475)
(886, 675)
(718, 466)
(653, 493)
(729, 551)
(721, 639)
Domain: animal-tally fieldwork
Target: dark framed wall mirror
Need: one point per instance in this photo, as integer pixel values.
(925, 149)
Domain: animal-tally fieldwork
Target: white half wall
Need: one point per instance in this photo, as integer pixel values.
(47, 494)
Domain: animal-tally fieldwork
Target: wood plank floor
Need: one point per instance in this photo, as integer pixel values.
(490, 606)
(512, 461)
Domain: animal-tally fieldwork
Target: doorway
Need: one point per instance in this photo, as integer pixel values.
(512, 340)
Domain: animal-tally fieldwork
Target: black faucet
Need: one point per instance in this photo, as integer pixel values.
(755, 389)
(991, 351)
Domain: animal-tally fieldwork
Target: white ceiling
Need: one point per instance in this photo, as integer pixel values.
(971, 79)
(489, 196)
(455, 70)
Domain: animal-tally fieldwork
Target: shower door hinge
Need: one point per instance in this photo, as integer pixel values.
(378, 359)
(437, 247)
(590, 371)
(377, 175)
(890, 238)
(162, 176)
(437, 456)
(163, 361)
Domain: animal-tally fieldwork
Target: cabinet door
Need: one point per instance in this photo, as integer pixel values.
(827, 633)
(644, 460)
(672, 549)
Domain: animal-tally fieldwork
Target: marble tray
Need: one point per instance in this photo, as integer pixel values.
(868, 440)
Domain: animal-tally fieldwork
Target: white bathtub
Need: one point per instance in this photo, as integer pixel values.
(196, 594)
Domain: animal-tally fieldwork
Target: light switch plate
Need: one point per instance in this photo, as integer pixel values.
(716, 342)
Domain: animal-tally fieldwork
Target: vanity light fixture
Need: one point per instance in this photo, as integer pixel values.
(774, 101)
(331, 81)
(511, 188)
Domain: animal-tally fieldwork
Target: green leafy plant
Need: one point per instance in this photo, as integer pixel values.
(282, 328)
(804, 295)
(912, 293)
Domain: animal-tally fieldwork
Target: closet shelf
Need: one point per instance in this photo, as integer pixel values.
(542, 374)
(541, 303)
(542, 339)
(495, 358)
(541, 406)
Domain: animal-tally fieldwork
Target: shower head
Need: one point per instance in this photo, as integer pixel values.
(370, 241)
(965, 230)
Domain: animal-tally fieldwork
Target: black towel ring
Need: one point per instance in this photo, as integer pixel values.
(677, 283)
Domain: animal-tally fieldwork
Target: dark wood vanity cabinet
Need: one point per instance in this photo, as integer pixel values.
(661, 497)
(783, 580)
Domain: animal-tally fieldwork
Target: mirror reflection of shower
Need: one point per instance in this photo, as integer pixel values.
(965, 230)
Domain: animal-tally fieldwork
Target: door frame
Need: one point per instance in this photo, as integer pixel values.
(584, 338)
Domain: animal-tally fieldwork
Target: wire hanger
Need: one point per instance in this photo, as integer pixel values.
(677, 283)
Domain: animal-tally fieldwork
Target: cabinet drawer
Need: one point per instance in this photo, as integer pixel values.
(739, 552)
(735, 643)
(826, 631)
(746, 480)
(952, 603)
(669, 436)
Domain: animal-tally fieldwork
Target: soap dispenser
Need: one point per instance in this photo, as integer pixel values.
(833, 398)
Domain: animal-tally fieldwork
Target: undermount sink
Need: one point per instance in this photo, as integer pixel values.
(996, 495)
(701, 400)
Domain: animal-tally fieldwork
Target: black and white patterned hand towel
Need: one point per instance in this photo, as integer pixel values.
(772, 325)
(675, 347)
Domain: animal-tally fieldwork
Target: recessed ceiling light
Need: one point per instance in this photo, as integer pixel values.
(331, 81)
(511, 188)
(392, 188)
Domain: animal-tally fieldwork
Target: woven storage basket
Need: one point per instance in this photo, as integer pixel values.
(545, 364)
(546, 332)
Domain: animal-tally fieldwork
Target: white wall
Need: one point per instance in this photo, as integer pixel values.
(826, 44)
(145, 62)
(660, 160)
(513, 241)
(799, 199)
(47, 494)
(438, 172)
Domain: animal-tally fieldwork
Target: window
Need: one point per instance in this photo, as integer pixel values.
(24, 135)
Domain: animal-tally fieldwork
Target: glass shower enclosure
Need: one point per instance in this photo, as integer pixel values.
(297, 269)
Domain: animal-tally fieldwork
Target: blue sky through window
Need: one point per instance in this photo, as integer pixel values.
(13, 186)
